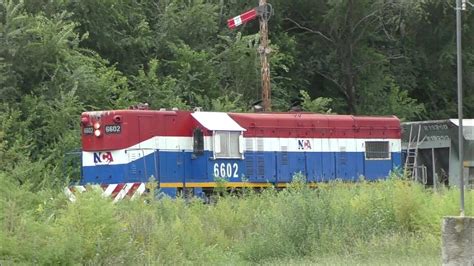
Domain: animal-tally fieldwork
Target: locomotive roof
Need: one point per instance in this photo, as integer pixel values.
(311, 120)
(136, 126)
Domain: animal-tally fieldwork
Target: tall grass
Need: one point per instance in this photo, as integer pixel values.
(379, 222)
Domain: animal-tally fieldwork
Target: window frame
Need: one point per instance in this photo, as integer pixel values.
(388, 152)
(216, 137)
(198, 141)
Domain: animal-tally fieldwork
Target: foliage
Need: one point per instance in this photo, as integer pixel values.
(392, 220)
(318, 105)
(226, 104)
(60, 57)
(148, 87)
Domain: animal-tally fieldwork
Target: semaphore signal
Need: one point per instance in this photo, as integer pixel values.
(242, 18)
(263, 12)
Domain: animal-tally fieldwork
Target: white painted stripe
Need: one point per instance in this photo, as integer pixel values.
(123, 192)
(149, 146)
(69, 194)
(142, 149)
(140, 190)
(237, 21)
(314, 145)
(109, 190)
(80, 189)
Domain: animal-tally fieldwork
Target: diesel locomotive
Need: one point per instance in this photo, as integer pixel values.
(194, 151)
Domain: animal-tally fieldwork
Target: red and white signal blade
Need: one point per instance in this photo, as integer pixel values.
(242, 18)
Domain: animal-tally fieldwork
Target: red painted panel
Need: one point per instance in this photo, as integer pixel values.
(153, 123)
(318, 125)
(181, 123)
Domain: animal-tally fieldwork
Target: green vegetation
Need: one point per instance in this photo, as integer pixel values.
(391, 221)
(61, 57)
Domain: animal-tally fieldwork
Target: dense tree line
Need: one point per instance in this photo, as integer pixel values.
(59, 58)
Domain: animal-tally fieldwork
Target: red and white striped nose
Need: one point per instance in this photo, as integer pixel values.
(115, 191)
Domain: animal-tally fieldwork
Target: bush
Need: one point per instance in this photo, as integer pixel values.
(382, 220)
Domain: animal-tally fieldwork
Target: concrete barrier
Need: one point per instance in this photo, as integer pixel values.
(458, 241)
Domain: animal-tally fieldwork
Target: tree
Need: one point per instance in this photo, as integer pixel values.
(429, 65)
(118, 31)
(159, 93)
(48, 80)
(346, 59)
(318, 105)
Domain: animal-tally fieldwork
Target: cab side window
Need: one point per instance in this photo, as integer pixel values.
(227, 144)
(198, 142)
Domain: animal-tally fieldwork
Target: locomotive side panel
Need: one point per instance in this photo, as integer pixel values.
(325, 147)
(139, 144)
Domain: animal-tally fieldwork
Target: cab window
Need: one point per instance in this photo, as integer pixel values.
(198, 142)
(227, 144)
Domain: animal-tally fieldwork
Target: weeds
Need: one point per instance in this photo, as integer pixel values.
(364, 221)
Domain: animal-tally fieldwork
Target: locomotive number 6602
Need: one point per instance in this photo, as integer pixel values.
(226, 170)
(113, 129)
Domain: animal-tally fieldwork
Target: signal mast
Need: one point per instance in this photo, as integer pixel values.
(263, 12)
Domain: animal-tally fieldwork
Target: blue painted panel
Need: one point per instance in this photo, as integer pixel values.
(104, 174)
(297, 164)
(145, 168)
(282, 166)
(343, 166)
(270, 168)
(348, 165)
(376, 169)
(250, 169)
(198, 168)
(397, 161)
(359, 162)
(314, 166)
(266, 166)
(231, 170)
(380, 169)
(260, 166)
(135, 169)
(152, 167)
(172, 166)
(328, 167)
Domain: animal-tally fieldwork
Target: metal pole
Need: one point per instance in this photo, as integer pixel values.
(264, 51)
(459, 77)
(433, 164)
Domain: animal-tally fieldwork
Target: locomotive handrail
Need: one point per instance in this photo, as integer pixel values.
(144, 161)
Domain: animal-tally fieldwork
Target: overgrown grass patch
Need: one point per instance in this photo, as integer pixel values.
(385, 222)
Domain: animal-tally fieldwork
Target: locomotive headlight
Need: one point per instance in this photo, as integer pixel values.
(97, 133)
(96, 125)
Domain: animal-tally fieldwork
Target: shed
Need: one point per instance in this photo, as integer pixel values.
(431, 151)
